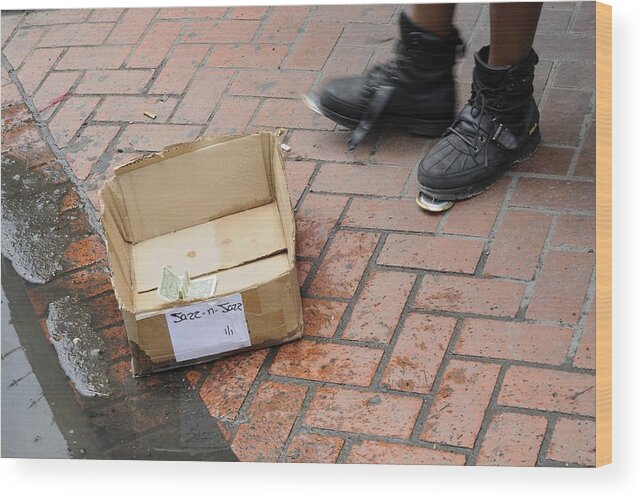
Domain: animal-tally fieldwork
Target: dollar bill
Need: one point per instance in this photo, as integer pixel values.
(174, 287)
(202, 288)
(170, 286)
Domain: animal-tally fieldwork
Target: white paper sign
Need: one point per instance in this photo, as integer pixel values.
(208, 328)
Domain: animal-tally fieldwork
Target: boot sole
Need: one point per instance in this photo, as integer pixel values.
(416, 126)
(461, 193)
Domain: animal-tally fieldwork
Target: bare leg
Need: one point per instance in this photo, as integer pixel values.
(513, 26)
(437, 18)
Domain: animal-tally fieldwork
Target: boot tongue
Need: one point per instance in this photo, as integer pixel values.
(490, 76)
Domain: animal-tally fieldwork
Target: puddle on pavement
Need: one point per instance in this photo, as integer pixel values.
(32, 227)
(80, 351)
(42, 416)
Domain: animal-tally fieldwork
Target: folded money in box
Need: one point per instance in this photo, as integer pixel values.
(201, 244)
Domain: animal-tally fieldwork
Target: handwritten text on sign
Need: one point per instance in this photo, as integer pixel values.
(208, 328)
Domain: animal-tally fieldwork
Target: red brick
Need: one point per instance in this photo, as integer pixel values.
(290, 113)
(9, 24)
(228, 383)
(116, 339)
(572, 230)
(232, 116)
(460, 403)
(10, 95)
(375, 180)
(108, 57)
(153, 137)
(283, 24)
(554, 194)
(549, 390)
(302, 271)
(225, 31)
(70, 118)
(36, 67)
(561, 287)
(379, 306)
(576, 74)
(586, 353)
(516, 248)
(477, 216)
(389, 214)
(131, 26)
(83, 284)
(105, 15)
(512, 440)
(345, 61)
(12, 115)
(270, 419)
(431, 253)
(514, 341)
(314, 46)
(315, 218)
(374, 13)
(298, 174)
(548, 160)
(373, 452)
(193, 377)
(248, 12)
(88, 147)
(59, 16)
(114, 81)
(470, 295)
(573, 442)
(247, 56)
(327, 362)
(312, 448)
(131, 108)
(21, 44)
(202, 96)
(563, 115)
(331, 146)
(181, 13)
(264, 83)
(344, 263)
(83, 252)
(179, 69)
(76, 34)
(371, 413)
(357, 34)
(586, 164)
(400, 148)
(26, 134)
(105, 311)
(321, 317)
(55, 86)
(418, 353)
(155, 45)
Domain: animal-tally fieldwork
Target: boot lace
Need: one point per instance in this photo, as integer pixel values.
(485, 101)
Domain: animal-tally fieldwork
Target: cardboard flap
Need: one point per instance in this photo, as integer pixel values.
(186, 186)
(220, 244)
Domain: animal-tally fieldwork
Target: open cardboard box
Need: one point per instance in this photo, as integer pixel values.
(217, 206)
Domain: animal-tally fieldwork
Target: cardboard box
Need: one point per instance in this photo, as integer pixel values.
(219, 206)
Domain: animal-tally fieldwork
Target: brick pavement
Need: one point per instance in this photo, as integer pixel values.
(462, 338)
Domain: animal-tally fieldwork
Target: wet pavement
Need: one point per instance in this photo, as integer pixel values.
(42, 416)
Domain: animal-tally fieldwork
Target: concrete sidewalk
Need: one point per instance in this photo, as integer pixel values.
(463, 338)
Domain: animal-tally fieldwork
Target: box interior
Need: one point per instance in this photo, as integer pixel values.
(186, 208)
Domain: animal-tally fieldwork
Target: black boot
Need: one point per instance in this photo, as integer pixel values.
(414, 90)
(496, 128)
